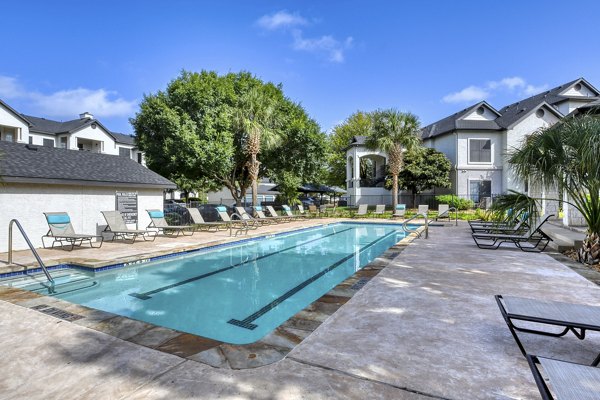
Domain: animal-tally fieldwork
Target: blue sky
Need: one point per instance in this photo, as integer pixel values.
(432, 58)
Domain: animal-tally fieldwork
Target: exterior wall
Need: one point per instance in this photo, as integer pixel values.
(488, 115)
(38, 138)
(7, 118)
(584, 91)
(566, 107)
(445, 144)
(97, 134)
(468, 170)
(354, 191)
(515, 136)
(27, 202)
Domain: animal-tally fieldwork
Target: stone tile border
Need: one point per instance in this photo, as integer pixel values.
(271, 348)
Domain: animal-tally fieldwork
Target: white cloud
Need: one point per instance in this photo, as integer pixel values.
(471, 93)
(280, 20)
(333, 48)
(514, 85)
(68, 103)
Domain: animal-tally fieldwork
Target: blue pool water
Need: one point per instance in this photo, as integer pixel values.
(240, 293)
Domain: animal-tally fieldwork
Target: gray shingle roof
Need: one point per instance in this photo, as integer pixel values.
(26, 163)
(123, 138)
(454, 122)
(17, 114)
(44, 125)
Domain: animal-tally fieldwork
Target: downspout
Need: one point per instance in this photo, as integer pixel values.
(456, 163)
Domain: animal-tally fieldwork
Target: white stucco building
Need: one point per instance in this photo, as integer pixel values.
(76, 166)
(477, 139)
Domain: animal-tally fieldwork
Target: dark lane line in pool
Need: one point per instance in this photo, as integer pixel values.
(247, 322)
(147, 295)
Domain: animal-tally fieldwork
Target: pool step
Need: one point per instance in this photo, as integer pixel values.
(38, 282)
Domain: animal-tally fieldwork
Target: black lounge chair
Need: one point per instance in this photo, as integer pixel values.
(517, 224)
(529, 241)
(569, 381)
(576, 318)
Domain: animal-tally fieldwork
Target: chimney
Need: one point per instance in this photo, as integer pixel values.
(85, 115)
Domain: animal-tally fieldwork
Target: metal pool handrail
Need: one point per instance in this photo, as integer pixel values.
(406, 229)
(242, 220)
(35, 253)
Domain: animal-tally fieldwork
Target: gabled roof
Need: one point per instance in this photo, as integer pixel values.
(50, 127)
(29, 163)
(455, 121)
(15, 112)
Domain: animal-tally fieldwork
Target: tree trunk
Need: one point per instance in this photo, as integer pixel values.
(590, 250)
(394, 192)
(253, 169)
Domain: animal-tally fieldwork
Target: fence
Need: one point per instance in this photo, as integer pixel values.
(483, 202)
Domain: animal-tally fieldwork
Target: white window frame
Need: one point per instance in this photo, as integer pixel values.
(491, 162)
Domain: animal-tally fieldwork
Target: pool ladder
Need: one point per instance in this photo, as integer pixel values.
(33, 250)
(416, 231)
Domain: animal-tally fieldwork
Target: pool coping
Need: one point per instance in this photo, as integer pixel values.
(273, 347)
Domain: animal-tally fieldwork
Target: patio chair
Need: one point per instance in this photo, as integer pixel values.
(302, 211)
(158, 222)
(444, 211)
(508, 220)
(199, 222)
(507, 223)
(241, 211)
(576, 318)
(273, 213)
(534, 238)
(517, 228)
(423, 209)
(362, 211)
(568, 380)
(313, 211)
(61, 231)
(116, 225)
(260, 215)
(246, 224)
(379, 210)
(400, 211)
(288, 211)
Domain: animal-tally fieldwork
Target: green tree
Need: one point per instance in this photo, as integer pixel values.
(199, 131)
(424, 169)
(357, 124)
(393, 131)
(287, 185)
(564, 156)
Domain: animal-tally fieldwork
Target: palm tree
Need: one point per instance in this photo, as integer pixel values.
(255, 115)
(566, 157)
(393, 132)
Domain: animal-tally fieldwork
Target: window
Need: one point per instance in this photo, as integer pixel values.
(139, 157)
(62, 143)
(30, 139)
(8, 136)
(480, 110)
(480, 151)
(125, 152)
(480, 189)
(48, 143)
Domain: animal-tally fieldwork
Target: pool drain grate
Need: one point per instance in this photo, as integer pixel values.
(56, 312)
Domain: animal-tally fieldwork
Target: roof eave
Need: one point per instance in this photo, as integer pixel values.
(79, 182)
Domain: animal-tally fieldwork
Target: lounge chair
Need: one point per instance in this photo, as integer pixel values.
(506, 224)
(240, 224)
(444, 211)
(288, 211)
(362, 211)
(302, 212)
(568, 380)
(571, 317)
(199, 222)
(158, 222)
(312, 210)
(260, 215)
(423, 209)
(249, 219)
(400, 211)
(517, 228)
(116, 225)
(379, 210)
(534, 237)
(273, 213)
(61, 230)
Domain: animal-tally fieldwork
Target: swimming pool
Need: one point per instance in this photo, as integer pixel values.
(239, 293)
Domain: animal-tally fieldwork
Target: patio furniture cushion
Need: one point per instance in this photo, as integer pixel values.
(156, 214)
(400, 206)
(58, 219)
(287, 208)
(221, 208)
(572, 381)
(258, 208)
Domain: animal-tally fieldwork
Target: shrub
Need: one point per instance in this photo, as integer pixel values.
(455, 201)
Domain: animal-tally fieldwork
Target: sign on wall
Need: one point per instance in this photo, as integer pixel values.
(126, 203)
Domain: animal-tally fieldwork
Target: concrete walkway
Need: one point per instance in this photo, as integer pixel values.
(426, 327)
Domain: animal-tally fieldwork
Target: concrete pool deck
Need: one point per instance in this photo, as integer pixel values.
(426, 326)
